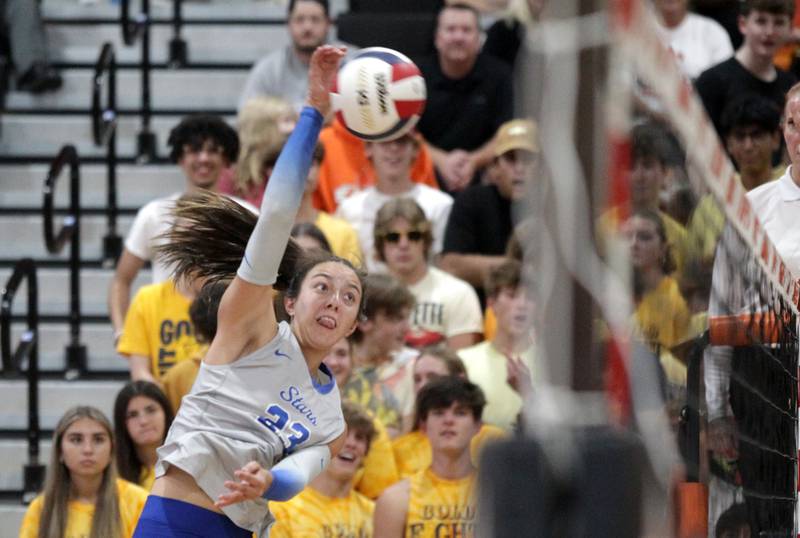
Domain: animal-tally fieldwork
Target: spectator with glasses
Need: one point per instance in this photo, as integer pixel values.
(447, 308)
(393, 162)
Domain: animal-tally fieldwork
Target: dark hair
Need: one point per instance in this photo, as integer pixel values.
(272, 156)
(359, 421)
(128, 464)
(387, 295)
(444, 392)
(400, 208)
(774, 7)
(204, 308)
(196, 130)
(650, 141)
(750, 110)
(463, 6)
(506, 275)
(208, 238)
(731, 521)
(308, 229)
(668, 263)
(323, 3)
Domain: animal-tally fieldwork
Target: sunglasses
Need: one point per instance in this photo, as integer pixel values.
(394, 237)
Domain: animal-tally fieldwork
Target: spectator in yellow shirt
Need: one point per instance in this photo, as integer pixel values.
(329, 505)
(142, 417)
(158, 332)
(82, 495)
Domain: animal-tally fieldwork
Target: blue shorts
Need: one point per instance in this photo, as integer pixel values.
(171, 518)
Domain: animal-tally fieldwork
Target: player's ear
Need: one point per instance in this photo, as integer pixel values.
(288, 305)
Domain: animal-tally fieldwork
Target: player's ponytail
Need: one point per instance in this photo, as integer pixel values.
(208, 239)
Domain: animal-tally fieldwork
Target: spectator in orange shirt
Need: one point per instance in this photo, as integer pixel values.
(345, 167)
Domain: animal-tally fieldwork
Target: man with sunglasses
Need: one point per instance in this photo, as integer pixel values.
(447, 308)
(480, 222)
(393, 162)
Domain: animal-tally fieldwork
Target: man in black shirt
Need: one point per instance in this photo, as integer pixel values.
(765, 25)
(469, 97)
(480, 222)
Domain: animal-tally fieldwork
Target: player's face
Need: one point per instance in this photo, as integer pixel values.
(426, 369)
(86, 448)
(145, 421)
(326, 308)
(764, 32)
(339, 361)
(514, 310)
(647, 177)
(457, 36)
(512, 172)
(202, 166)
(450, 428)
(404, 249)
(392, 160)
(647, 249)
(791, 131)
(308, 26)
(751, 148)
(347, 463)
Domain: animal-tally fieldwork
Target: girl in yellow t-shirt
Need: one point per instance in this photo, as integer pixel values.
(142, 416)
(662, 315)
(83, 498)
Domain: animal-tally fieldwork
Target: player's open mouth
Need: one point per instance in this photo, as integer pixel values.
(327, 322)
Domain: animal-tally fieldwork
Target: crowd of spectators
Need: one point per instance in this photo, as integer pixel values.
(447, 351)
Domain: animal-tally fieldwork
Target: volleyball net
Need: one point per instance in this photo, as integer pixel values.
(694, 309)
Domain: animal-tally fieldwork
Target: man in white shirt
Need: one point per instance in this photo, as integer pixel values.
(731, 371)
(392, 162)
(698, 42)
(447, 308)
(203, 146)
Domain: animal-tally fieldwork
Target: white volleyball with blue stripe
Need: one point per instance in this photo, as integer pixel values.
(379, 94)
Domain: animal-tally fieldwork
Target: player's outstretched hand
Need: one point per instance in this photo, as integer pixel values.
(321, 73)
(251, 482)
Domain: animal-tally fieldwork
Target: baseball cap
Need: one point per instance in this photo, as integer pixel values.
(517, 134)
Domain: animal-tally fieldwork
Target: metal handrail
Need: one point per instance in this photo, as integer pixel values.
(178, 49)
(131, 31)
(70, 232)
(104, 131)
(28, 348)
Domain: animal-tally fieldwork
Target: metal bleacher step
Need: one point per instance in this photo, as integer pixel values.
(75, 33)
(136, 185)
(53, 339)
(54, 290)
(34, 135)
(54, 398)
(11, 514)
(212, 89)
(25, 233)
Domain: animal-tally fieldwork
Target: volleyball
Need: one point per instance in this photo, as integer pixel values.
(379, 94)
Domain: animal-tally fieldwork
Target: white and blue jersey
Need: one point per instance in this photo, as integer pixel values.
(260, 407)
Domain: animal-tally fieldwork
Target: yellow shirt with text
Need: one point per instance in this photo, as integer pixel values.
(157, 326)
(79, 515)
(312, 514)
(439, 507)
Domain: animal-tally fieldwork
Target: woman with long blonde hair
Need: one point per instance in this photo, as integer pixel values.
(264, 124)
(83, 495)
